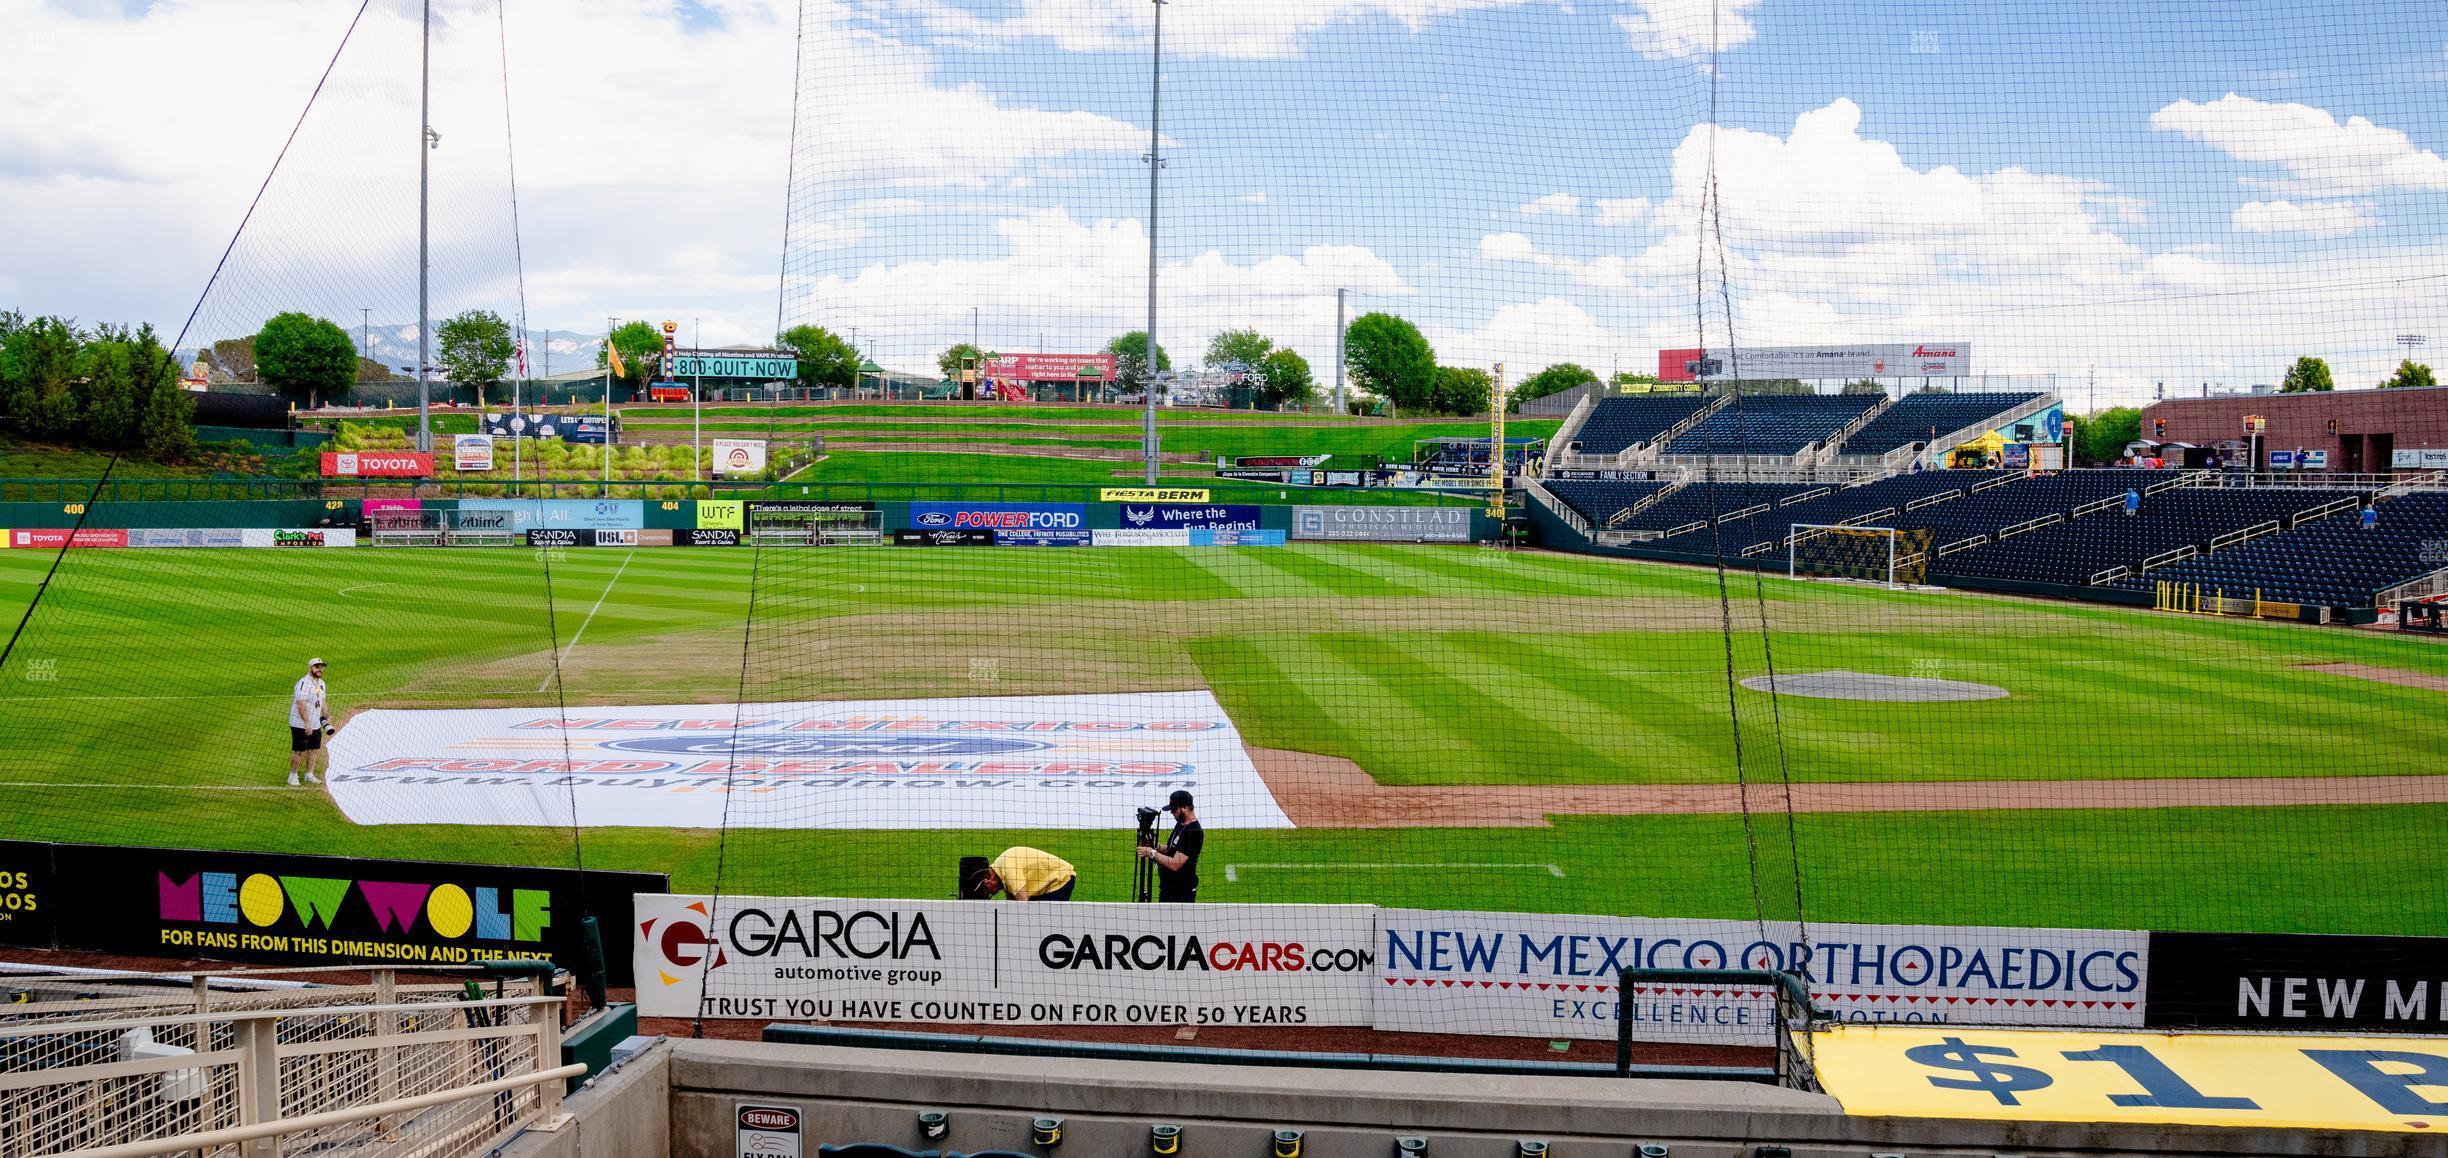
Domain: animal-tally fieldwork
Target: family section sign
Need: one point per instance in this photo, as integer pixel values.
(974, 762)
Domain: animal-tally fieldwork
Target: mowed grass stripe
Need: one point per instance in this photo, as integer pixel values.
(1521, 717)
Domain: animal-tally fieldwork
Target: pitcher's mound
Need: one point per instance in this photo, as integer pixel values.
(1854, 685)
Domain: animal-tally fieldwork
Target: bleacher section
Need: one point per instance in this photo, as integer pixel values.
(2072, 552)
(1617, 423)
(1598, 501)
(1772, 425)
(2328, 562)
(1920, 417)
(1844, 504)
(1701, 502)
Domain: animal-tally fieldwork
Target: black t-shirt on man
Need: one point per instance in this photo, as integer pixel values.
(1181, 885)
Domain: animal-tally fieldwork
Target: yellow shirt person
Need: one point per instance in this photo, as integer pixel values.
(1030, 874)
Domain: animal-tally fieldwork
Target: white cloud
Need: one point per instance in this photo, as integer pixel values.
(1254, 197)
(1553, 205)
(2321, 154)
(2311, 218)
(1625, 211)
(1608, 271)
(1674, 29)
(1530, 336)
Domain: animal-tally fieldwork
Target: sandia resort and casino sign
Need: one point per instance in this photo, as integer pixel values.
(272, 909)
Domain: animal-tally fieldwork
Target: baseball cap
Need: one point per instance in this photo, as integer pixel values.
(315, 662)
(1179, 799)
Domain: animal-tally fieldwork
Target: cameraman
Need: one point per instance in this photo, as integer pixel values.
(1177, 861)
(1026, 874)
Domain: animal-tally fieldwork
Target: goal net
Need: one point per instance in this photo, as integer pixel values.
(1889, 555)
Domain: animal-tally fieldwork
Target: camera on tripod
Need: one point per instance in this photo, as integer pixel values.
(1143, 871)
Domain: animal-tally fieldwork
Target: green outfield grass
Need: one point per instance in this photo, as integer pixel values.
(143, 707)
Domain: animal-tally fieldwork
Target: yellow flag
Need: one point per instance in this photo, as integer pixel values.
(612, 353)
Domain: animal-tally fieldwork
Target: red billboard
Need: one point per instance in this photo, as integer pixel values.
(378, 464)
(53, 540)
(1051, 367)
(1677, 365)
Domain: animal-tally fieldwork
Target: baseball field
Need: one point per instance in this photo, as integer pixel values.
(1454, 727)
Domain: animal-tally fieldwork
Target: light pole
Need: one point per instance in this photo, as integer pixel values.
(365, 332)
(1338, 386)
(1155, 162)
(427, 143)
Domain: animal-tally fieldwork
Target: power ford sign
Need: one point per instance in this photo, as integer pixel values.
(1013, 524)
(1383, 524)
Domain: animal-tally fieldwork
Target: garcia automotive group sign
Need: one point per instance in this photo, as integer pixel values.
(975, 962)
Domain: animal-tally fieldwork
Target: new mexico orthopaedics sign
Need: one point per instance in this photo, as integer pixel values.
(974, 762)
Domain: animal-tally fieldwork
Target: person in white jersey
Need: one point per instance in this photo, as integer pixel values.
(309, 722)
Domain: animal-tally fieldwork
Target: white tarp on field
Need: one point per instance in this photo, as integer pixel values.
(973, 762)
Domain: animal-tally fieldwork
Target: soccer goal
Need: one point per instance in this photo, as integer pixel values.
(395, 528)
(1886, 555)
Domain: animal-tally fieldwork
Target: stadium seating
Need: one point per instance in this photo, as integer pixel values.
(1701, 502)
(2070, 553)
(1776, 424)
(1919, 417)
(1598, 500)
(1846, 503)
(1615, 424)
(2329, 562)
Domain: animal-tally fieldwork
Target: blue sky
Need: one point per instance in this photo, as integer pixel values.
(2065, 185)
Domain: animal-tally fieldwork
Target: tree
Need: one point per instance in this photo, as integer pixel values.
(165, 411)
(106, 389)
(1865, 386)
(956, 355)
(641, 350)
(37, 364)
(1248, 348)
(474, 348)
(2409, 373)
(2307, 376)
(1285, 378)
(2101, 437)
(1462, 390)
(1130, 359)
(1388, 357)
(824, 359)
(1554, 379)
(305, 357)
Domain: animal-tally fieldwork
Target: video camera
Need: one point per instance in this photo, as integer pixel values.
(1147, 825)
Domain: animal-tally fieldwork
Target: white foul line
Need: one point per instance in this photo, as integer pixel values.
(563, 657)
(1232, 872)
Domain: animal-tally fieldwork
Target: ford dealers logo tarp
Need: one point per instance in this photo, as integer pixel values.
(974, 762)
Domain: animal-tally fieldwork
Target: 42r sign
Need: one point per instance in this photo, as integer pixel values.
(2192, 1079)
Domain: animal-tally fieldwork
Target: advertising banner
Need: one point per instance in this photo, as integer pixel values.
(2434, 459)
(707, 537)
(2298, 982)
(377, 464)
(1530, 975)
(1282, 461)
(1051, 367)
(584, 514)
(27, 897)
(379, 506)
(908, 537)
(55, 539)
(472, 452)
(277, 909)
(1005, 964)
(1131, 537)
(1383, 524)
(1860, 360)
(1229, 537)
(1237, 517)
(189, 537)
(722, 514)
(301, 537)
(1250, 474)
(1014, 524)
(772, 366)
(970, 763)
(620, 538)
(739, 457)
(552, 537)
(1152, 495)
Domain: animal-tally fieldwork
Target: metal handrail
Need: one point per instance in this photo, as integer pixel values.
(2028, 525)
(216, 1017)
(2167, 558)
(2110, 575)
(1963, 545)
(1806, 496)
(2238, 538)
(1932, 500)
(1794, 1003)
(1999, 481)
(232, 1135)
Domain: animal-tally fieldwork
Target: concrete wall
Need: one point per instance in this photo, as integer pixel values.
(624, 1113)
(850, 1095)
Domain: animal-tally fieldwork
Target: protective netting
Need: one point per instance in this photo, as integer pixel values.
(1823, 289)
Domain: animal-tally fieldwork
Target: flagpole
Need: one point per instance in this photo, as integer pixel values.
(611, 352)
